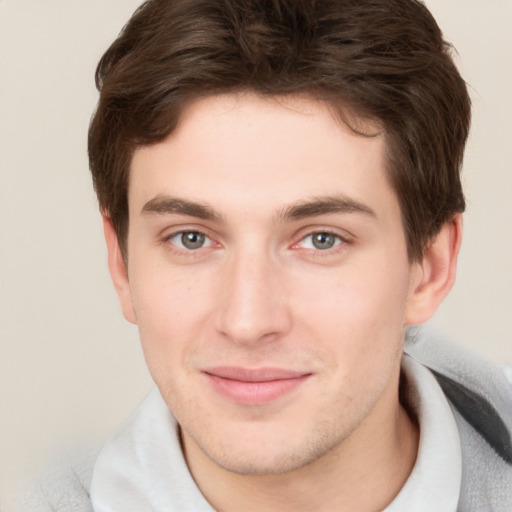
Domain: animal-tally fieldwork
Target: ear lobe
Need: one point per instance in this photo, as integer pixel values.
(433, 277)
(118, 270)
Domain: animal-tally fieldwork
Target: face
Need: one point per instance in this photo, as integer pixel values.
(269, 278)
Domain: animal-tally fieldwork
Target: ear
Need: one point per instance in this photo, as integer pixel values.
(433, 277)
(118, 270)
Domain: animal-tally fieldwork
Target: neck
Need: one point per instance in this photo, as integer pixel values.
(364, 473)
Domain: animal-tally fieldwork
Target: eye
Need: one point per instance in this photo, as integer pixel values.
(320, 241)
(190, 240)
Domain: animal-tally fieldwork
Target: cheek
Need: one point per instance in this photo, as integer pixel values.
(358, 330)
(360, 310)
(171, 308)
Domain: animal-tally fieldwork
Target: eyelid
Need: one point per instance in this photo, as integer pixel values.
(342, 234)
(179, 234)
(345, 239)
(168, 234)
(339, 241)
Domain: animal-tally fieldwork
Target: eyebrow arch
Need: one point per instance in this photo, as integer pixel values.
(166, 205)
(324, 205)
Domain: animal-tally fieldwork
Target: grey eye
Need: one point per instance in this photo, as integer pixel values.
(192, 240)
(321, 241)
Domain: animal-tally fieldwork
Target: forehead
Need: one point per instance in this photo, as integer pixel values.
(246, 151)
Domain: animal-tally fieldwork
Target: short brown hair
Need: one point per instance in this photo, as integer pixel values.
(384, 59)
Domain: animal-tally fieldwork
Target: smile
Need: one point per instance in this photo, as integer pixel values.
(254, 386)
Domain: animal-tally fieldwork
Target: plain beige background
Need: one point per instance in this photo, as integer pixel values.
(70, 366)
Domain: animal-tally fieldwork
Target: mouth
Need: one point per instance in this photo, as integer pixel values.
(260, 386)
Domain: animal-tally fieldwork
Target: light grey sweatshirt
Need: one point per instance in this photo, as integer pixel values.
(479, 394)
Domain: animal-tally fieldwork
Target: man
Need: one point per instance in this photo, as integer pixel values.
(279, 184)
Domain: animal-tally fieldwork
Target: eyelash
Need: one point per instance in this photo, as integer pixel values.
(339, 244)
(182, 233)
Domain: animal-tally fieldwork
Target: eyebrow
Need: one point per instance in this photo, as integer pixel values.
(323, 206)
(165, 205)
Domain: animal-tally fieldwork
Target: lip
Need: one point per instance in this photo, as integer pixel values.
(259, 386)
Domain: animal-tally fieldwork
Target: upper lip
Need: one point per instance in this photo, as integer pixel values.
(254, 374)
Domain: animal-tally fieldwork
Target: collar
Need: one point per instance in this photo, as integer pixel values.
(142, 468)
(435, 481)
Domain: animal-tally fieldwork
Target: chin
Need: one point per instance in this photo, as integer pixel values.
(272, 465)
(270, 454)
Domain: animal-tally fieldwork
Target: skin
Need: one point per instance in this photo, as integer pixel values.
(259, 179)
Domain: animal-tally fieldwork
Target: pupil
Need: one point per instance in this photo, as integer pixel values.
(192, 240)
(323, 240)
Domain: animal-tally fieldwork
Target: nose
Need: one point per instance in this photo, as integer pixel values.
(253, 305)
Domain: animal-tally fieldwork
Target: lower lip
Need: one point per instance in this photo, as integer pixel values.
(255, 393)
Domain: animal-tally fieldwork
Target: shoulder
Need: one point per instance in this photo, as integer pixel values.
(480, 395)
(456, 367)
(64, 486)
